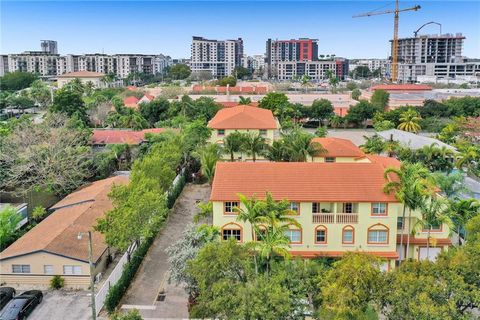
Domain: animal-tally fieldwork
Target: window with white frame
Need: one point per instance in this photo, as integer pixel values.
(72, 270)
(232, 233)
(315, 207)
(348, 235)
(379, 208)
(294, 206)
(48, 269)
(230, 207)
(294, 236)
(378, 236)
(348, 207)
(20, 268)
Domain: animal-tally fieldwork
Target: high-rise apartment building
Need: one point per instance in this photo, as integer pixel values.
(49, 46)
(434, 57)
(220, 57)
(288, 59)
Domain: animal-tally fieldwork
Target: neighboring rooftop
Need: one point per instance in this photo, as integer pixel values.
(401, 87)
(82, 74)
(78, 212)
(243, 117)
(121, 136)
(131, 101)
(337, 147)
(411, 140)
(301, 181)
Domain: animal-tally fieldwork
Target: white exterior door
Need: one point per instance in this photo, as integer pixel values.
(401, 252)
(432, 253)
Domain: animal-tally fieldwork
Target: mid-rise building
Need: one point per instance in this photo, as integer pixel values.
(435, 56)
(373, 64)
(220, 57)
(290, 59)
(49, 46)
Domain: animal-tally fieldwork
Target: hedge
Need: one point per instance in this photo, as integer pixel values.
(116, 292)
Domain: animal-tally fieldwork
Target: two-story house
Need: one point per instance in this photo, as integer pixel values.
(244, 119)
(339, 150)
(340, 206)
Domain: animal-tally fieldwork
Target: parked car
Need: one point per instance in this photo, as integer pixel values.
(22, 305)
(6, 294)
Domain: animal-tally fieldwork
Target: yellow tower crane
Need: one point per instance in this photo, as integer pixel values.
(394, 69)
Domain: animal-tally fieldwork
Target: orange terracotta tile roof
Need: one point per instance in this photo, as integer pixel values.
(301, 181)
(148, 96)
(82, 74)
(402, 87)
(423, 241)
(229, 104)
(338, 147)
(386, 162)
(78, 212)
(121, 136)
(132, 100)
(243, 117)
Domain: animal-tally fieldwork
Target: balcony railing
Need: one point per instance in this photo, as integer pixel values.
(323, 218)
(341, 218)
(347, 218)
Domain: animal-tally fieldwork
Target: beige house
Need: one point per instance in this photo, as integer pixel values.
(339, 150)
(53, 246)
(83, 76)
(246, 119)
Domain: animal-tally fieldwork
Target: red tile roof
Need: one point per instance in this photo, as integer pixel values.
(148, 96)
(129, 101)
(82, 74)
(229, 104)
(337, 254)
(243, 117)
(78, 212)
(402, 87)
(423, 241)
(386, 162)
(121, 136)
(338, 147)
(301, 181)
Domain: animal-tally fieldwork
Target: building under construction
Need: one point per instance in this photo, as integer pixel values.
(432, 57)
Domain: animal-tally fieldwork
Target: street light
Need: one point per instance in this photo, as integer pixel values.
(90, 262)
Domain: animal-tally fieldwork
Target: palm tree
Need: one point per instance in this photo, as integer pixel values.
(254, 144)
(209, 155)
(244, 101)
(298, 146)
(336, 121)
(412, 183)
(374, 144)
(276, 213)
(468, 157)
(233, 143)
(452, 184)
(272, 242)
(276, 152)
(462, 211)
(305, 82)
(434, 212)
(409, 121)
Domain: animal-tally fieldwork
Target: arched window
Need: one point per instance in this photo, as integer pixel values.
(321, 235)
(232, 230)
(348, 235)
(378, 234)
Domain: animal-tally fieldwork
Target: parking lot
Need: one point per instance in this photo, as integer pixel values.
(61, 305)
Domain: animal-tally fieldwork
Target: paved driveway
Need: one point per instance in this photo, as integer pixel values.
(60, 305)
(152, 275)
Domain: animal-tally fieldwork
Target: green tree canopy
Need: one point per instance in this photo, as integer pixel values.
(179, 71)
(17, 80)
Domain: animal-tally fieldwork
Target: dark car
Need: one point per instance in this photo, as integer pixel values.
(6, 294)
(22, 305)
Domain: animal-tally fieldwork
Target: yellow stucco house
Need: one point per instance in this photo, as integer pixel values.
(84, 76)
(339, 150)
(341, 207)
(53, 246)
(246, 119)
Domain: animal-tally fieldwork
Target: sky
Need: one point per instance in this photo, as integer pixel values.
(154, 27)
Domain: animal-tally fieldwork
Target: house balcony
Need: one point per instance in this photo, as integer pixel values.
(339, 218)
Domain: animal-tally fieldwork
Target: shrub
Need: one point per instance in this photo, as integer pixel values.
(57, 282)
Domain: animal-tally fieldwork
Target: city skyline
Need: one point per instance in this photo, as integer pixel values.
(147, 27)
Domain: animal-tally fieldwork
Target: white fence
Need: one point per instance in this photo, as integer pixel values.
(112, 279)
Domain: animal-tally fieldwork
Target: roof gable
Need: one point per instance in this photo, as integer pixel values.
(337, 147)
(243, 117)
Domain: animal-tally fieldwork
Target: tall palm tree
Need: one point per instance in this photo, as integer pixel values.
(374, 144)
(410, 183)
(434, 212)
(209, 155)
(272, 242)
(469, 156)
(276, 213)
(254, 144)
(276, 152)
(409, 121)
(336, 121)
(233, 143)
(244, 101)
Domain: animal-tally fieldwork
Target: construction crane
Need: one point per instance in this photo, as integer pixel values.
(426, 24)
(396, 12)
